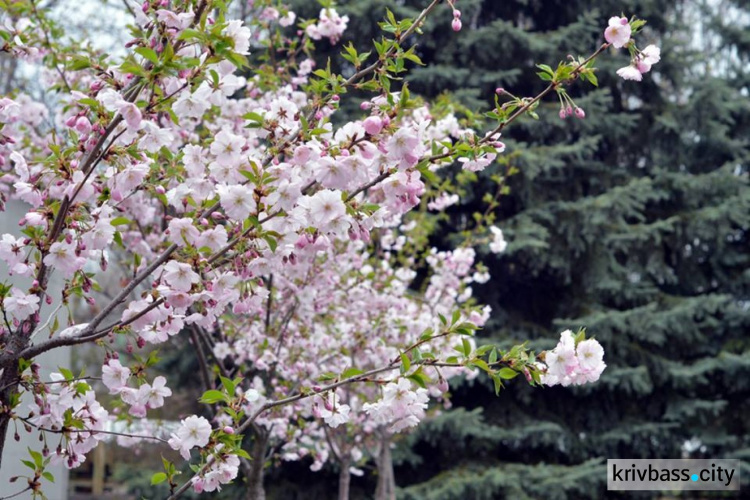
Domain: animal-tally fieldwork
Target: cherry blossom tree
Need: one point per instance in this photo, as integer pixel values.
(207, 174)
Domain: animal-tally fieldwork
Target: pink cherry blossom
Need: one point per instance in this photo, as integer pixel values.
(194, 431)
(115, 376)
(618, 32)
(182, 232)
(180, 276)
(20, 305)
(630, 73)
(131, 114)
(62, 256)
(237, 201)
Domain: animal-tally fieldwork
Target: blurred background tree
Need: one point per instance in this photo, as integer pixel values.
(633, 222)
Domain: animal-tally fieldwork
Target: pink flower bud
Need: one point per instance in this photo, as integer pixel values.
(70, 122)
(642, 66)
(335, 98)
(373, 125)
(198, 485)
(456, 13)
(443, 385)
(365, 105)
(228, 430)
(499, 91)
(623, 21)
(563, 115)
(580, 113)
(301, 242)
(83, 125)
(456, 24)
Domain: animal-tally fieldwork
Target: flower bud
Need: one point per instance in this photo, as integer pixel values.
(443, 385)
(198, 485)
(373, 125)
(456, 24)
(83, 125)
(456, 14)
(580, 113)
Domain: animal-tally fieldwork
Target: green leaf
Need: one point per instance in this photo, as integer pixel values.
(351, 372)
(493, 355)
(229, 386)
(465, 328)
(65, 373)
(120, 221)
(481, 364)
(466, 346)
(213, 396)
(48, 476)
(498, 383)
(253, 117)
(508, 373)
(405, 363)
(158, 478)
(427, 334)
(272, 243)
(580, 336)
(147, 53)
(37, 457)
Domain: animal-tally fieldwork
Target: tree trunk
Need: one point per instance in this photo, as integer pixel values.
(386, 489)
(9, 384)
(345, 478)
(255, 489)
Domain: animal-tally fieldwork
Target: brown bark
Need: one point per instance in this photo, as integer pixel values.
(344, 478)
(9, 385)
(255, 490)
(386, 488)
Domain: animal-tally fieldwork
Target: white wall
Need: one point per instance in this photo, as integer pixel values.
(16, 451)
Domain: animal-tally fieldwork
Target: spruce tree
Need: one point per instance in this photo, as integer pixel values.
(632, 223)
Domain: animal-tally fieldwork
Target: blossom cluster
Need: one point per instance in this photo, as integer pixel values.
(574, 363)
(618, 33)
(69, 408)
